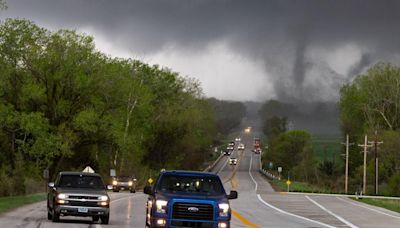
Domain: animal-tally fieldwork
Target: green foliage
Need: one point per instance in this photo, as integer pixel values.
(372, 103)
(228, 114)
(274, 126)
(64, 105)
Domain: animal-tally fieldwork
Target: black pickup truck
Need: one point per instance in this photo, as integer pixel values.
(78, 194)
(188, 199)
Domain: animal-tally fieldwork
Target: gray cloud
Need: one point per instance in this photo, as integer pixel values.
(282, 33)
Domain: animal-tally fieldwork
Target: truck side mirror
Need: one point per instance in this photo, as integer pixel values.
(233, 195)
(51, 185)
(147, 190)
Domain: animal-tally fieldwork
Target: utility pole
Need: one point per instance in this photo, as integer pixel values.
(365, 146)
(376, 144)
(346, 181)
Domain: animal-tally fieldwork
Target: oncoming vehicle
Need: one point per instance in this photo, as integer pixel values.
(227, 152)
(124, 182)
(232, 161)
(78, 194)
(188, 199)
(241, 146)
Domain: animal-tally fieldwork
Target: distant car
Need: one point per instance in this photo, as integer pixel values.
(230, 148)
(124, 183)
(241, 146)
(232, 161)
(237, 139)
(227, 152)
(257, 151)
(78, 194)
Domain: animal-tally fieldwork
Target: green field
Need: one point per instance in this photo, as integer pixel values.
(393, 205)
(328, 147)
(281, 186)
(9, 203)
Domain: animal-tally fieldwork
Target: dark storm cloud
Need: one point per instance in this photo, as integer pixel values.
(282, 33)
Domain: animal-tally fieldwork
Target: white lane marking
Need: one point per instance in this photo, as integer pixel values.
(116, 200)
(251, 176)
(294, 215)
(278, 209)
(369, 208)
(124, 198)
(331, 213)
(223, 167)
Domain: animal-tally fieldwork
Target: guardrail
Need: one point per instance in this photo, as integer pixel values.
(265, 172)
(210, 167)
(268, 174)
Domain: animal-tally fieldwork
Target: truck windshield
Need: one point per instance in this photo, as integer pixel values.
(191, 184)
(80, 181)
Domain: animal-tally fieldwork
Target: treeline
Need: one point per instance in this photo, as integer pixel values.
(228, 114)
(369, 105)
(65, 105)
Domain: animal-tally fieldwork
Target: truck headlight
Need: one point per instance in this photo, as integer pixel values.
(115, 182)
(61, 196)
(103, 198)
(223, 209)
(161, 206)
(130, 183)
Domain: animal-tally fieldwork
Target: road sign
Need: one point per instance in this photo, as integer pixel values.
(279, 169)
(270, 165)
(288, 182)
(150, 180)
(88, 169)
(112, 173)
(46, 174)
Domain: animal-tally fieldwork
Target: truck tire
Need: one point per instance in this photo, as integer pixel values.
(95, 218)
(105, 219)
(49, 216)
(55, 216)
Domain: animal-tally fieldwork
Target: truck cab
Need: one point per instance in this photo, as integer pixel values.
(188, 199)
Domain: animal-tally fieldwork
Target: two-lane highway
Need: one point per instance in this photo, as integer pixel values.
(257, 206)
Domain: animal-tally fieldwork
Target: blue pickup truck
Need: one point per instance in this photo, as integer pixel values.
(188, 199)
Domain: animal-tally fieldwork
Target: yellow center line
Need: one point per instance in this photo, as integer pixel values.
(244, 220)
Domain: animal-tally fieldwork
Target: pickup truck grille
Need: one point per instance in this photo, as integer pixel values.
(192, 211)
(83, 204)
(83, 197)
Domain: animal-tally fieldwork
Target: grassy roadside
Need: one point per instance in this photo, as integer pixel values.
(281, 186)
(393, 205)
(11, 202)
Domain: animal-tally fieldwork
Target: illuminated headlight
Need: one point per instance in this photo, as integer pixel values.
(161, 206)
(161, 222)
(222, 225)
(103, 198)
(61, 196)
(223, 209)
(130, 183)
(115, 182)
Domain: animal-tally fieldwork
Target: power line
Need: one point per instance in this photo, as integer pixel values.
(376, 143)
(365, 146)
(346, 182)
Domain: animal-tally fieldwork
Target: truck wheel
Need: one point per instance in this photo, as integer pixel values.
(95, 218)
(133, 190)
(115, 190)
(55, 216)
(49, 216)
(105, 219)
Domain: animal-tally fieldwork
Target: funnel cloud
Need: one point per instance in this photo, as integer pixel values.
(239, 50)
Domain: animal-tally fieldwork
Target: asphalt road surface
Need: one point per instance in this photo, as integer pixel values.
(257, 206)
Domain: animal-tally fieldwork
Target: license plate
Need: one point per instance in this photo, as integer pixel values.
(82, 209)
(122, 188)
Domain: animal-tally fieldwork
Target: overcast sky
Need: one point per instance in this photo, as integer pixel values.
(238, 49)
